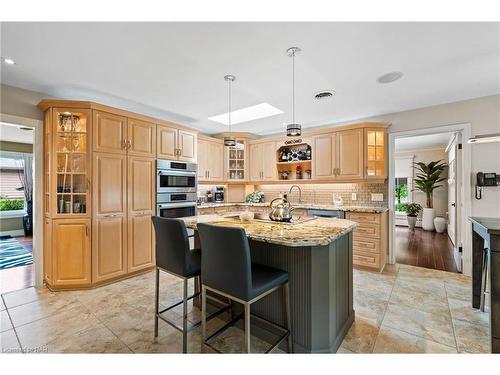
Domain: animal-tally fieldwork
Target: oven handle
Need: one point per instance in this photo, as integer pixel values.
(177, 205)
(169, 172)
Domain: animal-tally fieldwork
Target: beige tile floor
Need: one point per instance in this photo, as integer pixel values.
(405, 309)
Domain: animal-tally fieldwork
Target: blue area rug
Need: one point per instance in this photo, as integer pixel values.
(13, 254)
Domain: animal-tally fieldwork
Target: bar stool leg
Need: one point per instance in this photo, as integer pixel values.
(246, 342)
(157, 297)
(286, 308)
(203, 317)
(184, 317)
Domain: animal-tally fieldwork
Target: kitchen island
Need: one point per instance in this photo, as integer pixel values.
(317, 254)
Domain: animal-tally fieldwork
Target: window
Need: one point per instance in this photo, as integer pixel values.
(402, 192)
(12, 200)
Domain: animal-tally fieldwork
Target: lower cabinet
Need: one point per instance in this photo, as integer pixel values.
(71, 258)
(369, 245)
(140, 242)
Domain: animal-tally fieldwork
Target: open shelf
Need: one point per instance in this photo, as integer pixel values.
(294, 162)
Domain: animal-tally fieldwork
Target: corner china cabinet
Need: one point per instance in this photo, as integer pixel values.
(99, 186)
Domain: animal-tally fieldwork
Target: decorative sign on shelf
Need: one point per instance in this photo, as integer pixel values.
(293, 141)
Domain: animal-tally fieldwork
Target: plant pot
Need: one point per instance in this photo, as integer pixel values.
(428, 219)
(440, 224)
(412, 221)
(28, 220)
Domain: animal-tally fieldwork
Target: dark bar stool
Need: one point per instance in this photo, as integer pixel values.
(174, 256)
(227, 270)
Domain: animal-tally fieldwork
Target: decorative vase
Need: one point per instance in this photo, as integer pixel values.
(428, 219)
(412, 221)
(28, 220)
(440, 224)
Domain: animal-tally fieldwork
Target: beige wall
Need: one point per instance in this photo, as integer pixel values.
(440, 194)
(19, 102)
(484, 116)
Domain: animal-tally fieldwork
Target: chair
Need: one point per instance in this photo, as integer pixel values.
(174, 256)
(226, 269)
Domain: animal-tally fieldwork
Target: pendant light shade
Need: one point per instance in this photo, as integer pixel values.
(229, 140)
(293, 129)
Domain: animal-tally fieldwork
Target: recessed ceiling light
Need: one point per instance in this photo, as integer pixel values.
(324, 94)
(389, 77)
(8, 61)
(254, 112)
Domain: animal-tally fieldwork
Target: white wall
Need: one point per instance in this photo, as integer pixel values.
(441, 193)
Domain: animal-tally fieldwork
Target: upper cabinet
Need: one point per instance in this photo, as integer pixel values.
(142, 138)
(68, 194)
(349, 154)
(121, 135)
(175, 144)
(263, 161)
(211, 161)
(376, 153)
(109, 132)
(235, 165)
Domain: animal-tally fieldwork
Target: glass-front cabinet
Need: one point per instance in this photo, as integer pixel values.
(70, 155)
(236, 161)
(376, 153)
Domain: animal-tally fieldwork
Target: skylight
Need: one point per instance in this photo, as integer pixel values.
(254, 112)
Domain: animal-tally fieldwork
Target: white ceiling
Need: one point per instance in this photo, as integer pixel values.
(175, 70)
(422, 142)
(14, 133)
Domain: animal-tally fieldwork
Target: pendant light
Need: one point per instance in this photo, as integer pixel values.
(229, 140)
(293, 129)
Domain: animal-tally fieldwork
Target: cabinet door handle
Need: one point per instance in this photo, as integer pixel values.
(124, 144)
(129, 144)
(87, 230)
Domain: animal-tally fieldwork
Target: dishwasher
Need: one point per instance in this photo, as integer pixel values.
(339, 214)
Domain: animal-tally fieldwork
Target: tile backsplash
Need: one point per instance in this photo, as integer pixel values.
(323, 193)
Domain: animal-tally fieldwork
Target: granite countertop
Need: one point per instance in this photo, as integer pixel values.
(314, 232)
(367, 209)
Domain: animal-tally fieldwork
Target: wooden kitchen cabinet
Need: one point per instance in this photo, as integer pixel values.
(109, 216)
(211, 161)
(370, 239)
(263, 161)
(349, 154)
(141, 136)
(109, 132)
(71, 253)
(324, 151)
(176, 144)
(376, 153)
(141, 206)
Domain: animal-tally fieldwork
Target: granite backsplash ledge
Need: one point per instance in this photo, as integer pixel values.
(322, 194)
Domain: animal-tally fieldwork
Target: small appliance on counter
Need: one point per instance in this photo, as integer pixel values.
(210, 196)
(219, 194)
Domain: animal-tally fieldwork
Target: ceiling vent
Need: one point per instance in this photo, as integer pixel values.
(324, 94)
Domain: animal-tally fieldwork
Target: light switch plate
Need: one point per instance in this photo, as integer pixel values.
(377, 197)
(354, 196)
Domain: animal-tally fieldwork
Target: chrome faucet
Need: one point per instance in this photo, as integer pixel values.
(300, 192)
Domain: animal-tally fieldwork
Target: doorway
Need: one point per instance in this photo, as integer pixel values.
(447, 248)
(18, 209)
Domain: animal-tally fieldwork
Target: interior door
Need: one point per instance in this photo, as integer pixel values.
(142, 136)
(350, 153)
(141, 198)
(109, 224)
(166, 142)
(109, 132)
(452, 195)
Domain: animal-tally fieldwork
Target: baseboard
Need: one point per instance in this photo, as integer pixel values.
(13, 233)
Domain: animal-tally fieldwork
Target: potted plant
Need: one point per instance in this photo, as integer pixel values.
(428, 177)
(412, 210)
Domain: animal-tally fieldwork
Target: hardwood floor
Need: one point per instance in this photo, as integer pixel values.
(18, 277)
(424, 249)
